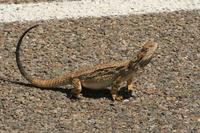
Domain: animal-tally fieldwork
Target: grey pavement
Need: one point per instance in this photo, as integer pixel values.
(167, 98)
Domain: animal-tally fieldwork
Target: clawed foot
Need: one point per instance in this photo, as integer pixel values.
(117, 98)
(75, 96)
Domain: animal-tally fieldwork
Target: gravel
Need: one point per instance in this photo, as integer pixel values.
(167, 98)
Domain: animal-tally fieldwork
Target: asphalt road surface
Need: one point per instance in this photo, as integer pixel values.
(167, 98)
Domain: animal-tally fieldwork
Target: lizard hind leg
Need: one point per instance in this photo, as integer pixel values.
(115, 89)
(77, 87)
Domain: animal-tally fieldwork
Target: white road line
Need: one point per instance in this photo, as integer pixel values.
(90, 8)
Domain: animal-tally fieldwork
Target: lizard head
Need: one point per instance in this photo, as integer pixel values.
(146, 53)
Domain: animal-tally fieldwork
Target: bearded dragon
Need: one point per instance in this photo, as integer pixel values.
(95, 77)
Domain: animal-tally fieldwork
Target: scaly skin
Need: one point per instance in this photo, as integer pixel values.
(95, 77)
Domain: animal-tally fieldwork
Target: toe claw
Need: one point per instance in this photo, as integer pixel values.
(117, 98)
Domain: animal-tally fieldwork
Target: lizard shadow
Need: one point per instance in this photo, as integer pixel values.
(96, 94)
(104, 93)
(89, 93)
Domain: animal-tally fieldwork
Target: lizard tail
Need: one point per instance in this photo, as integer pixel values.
(50, 83)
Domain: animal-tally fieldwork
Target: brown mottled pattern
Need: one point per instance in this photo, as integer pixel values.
(108, 69)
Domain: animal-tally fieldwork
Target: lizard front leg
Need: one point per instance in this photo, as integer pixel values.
(115, 89)
(130, 84)
(77, 87)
